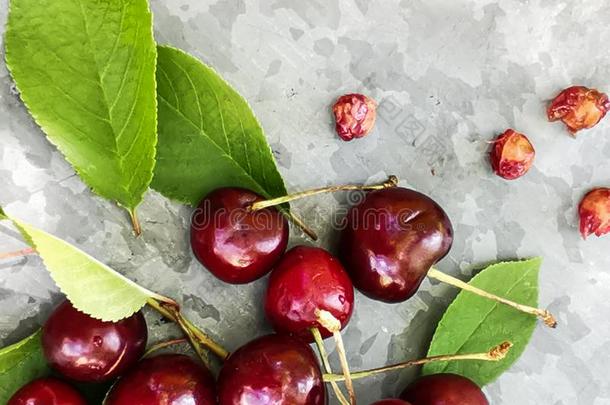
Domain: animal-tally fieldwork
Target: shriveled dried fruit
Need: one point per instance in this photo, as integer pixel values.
(512, 155)
(594, 212)
(579, 107)
(355, 116)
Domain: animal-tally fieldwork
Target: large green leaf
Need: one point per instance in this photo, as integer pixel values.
(473, 324)
(90, 285)
(86, 72)
(208, 135)
(19, 364)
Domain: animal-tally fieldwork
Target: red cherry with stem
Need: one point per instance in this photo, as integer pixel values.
(309, 291)
(273, 369)
(392, 239)
(47, 391)
(236, 244)
(168, 379)
(308, 280)
(444, 389)
(86, 349)
(391, 402)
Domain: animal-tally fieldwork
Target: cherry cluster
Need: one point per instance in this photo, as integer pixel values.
(389, 243)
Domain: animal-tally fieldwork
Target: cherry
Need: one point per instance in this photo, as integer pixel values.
(86, 349)
(168, 379)
(355, 116)
(444, 389)
(273, 369)
(47, 391)
(512, 155)
(391, 402)
(594, 212)
(308, 280)
(578, 107)
(390, 241)
(236, 244)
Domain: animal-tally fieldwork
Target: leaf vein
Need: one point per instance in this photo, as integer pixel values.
(116, 42)
(192, 84)
(492, 309)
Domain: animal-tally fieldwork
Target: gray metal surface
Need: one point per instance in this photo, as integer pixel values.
(448, 75)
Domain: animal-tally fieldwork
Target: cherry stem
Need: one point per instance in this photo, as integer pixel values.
(332, 324)
(545, 315)
(135, 222)
(496, 353)
(18, 253)
(392, 181)
(317, 336)
(345, 366)
(163, 345)
(302, 225)
(199, 340)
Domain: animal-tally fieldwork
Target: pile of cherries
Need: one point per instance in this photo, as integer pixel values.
(388, 244)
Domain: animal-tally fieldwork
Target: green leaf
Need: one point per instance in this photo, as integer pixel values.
(86, 72)
(90, 285)
(2, 214)
(208, 135)
(473, 324)
(21, 363)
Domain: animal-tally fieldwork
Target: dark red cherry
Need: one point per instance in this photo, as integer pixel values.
(444, 389)
(86, 349)
(168, 379)
(235, 244)
(47, 391)
(390, 241)
(305, 281)
(391, 402)
(273, 369)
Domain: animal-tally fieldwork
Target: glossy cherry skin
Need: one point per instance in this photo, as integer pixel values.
(168, 379)
(272, 370)
(47, 391)
(305, 280)
(391, 239)
(86, 349)
(444, 389)
(235, 244)
(391, 402)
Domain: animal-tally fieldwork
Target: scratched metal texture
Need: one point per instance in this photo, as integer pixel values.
(448, 76)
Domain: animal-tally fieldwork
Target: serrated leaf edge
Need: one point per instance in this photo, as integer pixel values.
(265, 193)
(496, 304)
(22, 227)
(82, 175)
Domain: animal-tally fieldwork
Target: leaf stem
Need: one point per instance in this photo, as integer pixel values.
(545, 315)
(18, 253)
(317, 336)
(171, 310)
(392, 181)
(135, 222)
(496, 353)
(163, 345)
